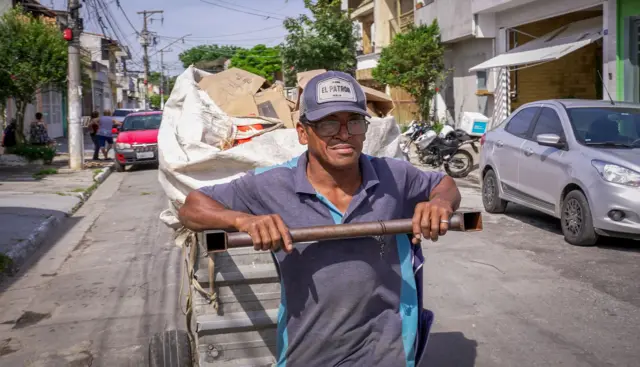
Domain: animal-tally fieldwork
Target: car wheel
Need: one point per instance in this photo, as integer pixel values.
(119, 167)
(576, 220)
(491, 194)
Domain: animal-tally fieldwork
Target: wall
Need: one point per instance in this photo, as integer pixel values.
(383, 15)
(463, 56)
(572, 76)
(541, 9)
(454, 18)
(625, 8)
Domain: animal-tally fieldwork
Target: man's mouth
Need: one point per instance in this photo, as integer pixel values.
(343, 148)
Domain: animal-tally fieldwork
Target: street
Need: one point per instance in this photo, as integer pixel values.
(512, 295)
(97, 293)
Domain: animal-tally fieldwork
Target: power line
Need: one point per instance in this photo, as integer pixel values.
(243, 11)
(225, 35)
(246, 7)
(127, 18)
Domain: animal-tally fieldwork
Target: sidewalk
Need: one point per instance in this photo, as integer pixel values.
(36, 198)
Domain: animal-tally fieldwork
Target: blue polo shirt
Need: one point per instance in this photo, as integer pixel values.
(347, 302)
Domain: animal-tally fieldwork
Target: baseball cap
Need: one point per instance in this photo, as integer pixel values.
(332, 92)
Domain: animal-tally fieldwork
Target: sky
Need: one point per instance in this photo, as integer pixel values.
(244, 23)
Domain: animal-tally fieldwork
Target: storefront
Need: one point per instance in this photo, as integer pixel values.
(549, 49)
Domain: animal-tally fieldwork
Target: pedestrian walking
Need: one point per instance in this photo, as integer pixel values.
(38, 133)
(94, 126)
(9, 138)
(354, 302)
(105, 134)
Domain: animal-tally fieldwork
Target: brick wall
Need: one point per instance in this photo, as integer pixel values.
(572, 76)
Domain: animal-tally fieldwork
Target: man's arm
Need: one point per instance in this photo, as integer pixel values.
(228, 207)
(447, 191)
(433, 197)
(201, 212)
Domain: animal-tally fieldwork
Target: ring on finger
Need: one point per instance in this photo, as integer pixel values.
(444, 221)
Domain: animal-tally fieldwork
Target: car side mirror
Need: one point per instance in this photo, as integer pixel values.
(550, 140)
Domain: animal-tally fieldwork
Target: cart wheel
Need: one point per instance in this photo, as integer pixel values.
(170, 349)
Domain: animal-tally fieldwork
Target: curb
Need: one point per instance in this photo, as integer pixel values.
(24, 249)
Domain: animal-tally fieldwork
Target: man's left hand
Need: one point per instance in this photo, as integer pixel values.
(431, 219)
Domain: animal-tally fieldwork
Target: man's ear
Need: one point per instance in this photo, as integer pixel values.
(303, 137)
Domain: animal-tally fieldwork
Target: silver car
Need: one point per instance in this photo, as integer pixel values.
(577, 160)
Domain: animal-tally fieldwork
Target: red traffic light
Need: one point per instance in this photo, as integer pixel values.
(68, 34)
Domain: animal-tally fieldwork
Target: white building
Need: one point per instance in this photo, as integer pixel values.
(508, 52)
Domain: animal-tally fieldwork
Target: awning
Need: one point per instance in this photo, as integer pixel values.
(549, 47)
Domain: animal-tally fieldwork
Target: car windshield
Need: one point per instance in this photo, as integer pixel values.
(145, 122)
(606, 126)
(121, 113)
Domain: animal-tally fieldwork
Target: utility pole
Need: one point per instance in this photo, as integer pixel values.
(144, 41)
(162, 76)
(74, 88)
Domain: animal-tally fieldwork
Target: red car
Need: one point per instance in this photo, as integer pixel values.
(137, 141)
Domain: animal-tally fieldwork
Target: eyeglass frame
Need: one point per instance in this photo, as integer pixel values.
(305, 121)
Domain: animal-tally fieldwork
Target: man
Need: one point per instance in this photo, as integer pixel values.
(105, 134)
(348, 302)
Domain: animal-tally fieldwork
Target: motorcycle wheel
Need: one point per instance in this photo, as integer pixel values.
(460, 164)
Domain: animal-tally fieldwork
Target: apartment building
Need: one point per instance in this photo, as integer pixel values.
(508, 52)
(378, 22)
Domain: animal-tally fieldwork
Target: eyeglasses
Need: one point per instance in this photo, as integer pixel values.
(327, 128)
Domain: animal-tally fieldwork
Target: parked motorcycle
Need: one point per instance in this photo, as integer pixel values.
(415, 131)
(443, 149)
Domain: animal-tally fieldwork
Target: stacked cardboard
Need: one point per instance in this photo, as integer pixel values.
(240, 93)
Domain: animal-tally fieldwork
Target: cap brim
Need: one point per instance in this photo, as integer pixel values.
(321, 113)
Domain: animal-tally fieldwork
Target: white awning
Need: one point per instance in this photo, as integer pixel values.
(549, 47)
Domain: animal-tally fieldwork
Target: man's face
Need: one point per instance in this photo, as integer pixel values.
(336, 139)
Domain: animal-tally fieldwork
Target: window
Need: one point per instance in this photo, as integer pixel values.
(520, 124)
(548, 123)
(142, 122)
(481, 80)
(597, 125)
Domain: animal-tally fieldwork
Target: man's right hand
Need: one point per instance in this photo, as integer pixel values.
(268, 232)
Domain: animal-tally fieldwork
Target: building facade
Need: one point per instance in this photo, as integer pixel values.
(505, 53)
(628, 50)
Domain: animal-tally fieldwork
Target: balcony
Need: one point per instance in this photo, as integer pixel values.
(368, 61)
(492, 6)
(406, 20)
(363, 9)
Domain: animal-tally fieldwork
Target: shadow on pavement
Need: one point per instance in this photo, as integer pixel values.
(550, 224)
(451, 349)
(50, 239)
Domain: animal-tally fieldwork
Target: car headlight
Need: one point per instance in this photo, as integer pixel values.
(617, 174)
(121, 146)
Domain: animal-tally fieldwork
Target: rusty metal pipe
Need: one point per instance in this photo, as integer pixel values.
(219, 241)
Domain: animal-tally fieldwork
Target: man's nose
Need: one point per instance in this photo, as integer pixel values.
(343, 133)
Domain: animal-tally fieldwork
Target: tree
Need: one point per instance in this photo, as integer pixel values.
(202, 53)
(33, 55)
(260, 60)
(154, 78)
(414, 61)
(328, 41)
(154, 100)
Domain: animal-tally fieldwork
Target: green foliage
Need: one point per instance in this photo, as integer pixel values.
(5, 263)
(414, 61)
(260, 60)
(33, 55)
(326, 41)
(34, 152)
(154, 78)
(202, 53)
(154, 100)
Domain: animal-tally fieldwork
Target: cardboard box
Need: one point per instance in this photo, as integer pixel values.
(378, 102)
(227, 85)
(272, 103)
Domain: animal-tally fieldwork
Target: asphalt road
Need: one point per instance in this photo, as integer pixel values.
(517, 295)
(512, 295)
(99, 290)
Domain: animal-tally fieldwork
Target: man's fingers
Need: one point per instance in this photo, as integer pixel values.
(254, 232)
(266, 238)
(444, 221)
(274, 233)
(287, 241)
(417, 229)
(425, 223)
(434, 224)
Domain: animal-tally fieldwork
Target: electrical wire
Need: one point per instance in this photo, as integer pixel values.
(126, 17)
(248, 8)
(223, 35)
(267, 17)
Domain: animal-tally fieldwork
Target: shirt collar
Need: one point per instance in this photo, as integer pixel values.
(303, 186)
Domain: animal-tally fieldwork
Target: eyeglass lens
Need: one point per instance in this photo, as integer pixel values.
(331, 128)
